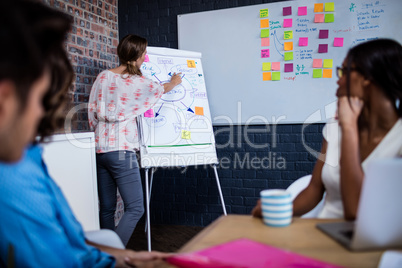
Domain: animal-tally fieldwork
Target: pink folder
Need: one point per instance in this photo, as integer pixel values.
(244, 253)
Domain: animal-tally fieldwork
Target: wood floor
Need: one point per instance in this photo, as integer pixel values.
(165, 238)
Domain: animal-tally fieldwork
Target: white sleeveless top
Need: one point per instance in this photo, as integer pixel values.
(390, 146)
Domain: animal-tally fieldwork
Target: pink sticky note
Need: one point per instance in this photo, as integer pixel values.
(302, 11)
(264, 53)
(288, 67)
(287, 11)
(149, 113)
(317, 63)
(303, 41)
(338, 42)
(323, 34)
(265, 42)
(146, 58)
(275, 66)
(322, 48)
(287, 23)
(318, 18)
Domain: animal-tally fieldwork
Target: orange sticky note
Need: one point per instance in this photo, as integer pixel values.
(264, 23)
(319, 7)
(327, 73)
(288, 46)
(266, 76)
(190, 64)
(199, 110)
(265, 42)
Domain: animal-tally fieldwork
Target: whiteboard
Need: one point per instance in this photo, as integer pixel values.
(177, 131)
(231, 44)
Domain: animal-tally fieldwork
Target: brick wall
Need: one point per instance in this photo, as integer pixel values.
(91, 46)
(190, 196)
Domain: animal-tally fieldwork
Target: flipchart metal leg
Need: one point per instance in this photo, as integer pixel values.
(220, 191)
(147, 197)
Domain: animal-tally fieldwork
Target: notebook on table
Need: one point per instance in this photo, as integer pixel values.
(378, 223)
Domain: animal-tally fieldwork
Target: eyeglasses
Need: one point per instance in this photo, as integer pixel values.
(341, 70)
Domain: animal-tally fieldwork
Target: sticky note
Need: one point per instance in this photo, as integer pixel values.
(328, 63)
(302, 11)
(288, 56)
(264, 53)
(287, 11)
(146, 58)
(329, 7)
(329, 18)
(323, 34)
(264, 13)
(303, 41)
(185, 134)
(190, 64)
(318, 18)
(264, 23)
(287, 23)
(338, 42)
(266, 76)
(276, 66)
(319, 7)
(288, 46)
(327, 73)
(266, 66)
(288, 67)
(264, 33)
(317, 73)
(149, 113)
(265, 42)
(276, 76)
(199, 110)
(317, 63)
(288, 35)
(322, 48)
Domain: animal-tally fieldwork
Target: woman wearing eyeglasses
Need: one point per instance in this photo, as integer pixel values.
(367, 126)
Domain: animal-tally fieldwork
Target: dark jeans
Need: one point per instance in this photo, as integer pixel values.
(119, 169)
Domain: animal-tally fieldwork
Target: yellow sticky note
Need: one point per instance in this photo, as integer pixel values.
(264, 23)
(199, 110)
(266, 76)
(319, 7)
(264, 13)
(185, 134)
(266, 66)
(328, 63)
(288, 46)
(190, 64)
(327, 73)
(288, 35)
(329, 6)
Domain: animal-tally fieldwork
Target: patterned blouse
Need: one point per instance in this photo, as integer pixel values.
(114, 104)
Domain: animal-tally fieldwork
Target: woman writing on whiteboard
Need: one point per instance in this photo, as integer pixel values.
(368, 126)
(117, 97)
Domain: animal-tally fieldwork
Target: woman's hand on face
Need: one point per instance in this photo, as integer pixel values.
(349, 110)
(176, 79)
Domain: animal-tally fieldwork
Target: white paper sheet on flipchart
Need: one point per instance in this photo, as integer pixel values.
(391, 259)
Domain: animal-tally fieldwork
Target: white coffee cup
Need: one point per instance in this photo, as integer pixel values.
(277, 207)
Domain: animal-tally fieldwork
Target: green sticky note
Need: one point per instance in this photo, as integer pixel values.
(264, 33)
(288, 35)
(288, 55)
(328, 63)
(317, 73)
(266, 66)
(276, 76)
(264, 13)
(329, 18)
(329, 7)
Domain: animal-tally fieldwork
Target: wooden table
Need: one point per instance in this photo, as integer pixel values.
(301, 237)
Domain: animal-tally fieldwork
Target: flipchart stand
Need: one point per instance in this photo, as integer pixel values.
(148, 189)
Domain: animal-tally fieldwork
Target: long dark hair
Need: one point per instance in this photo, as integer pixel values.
(130, 48)
(379, 61)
